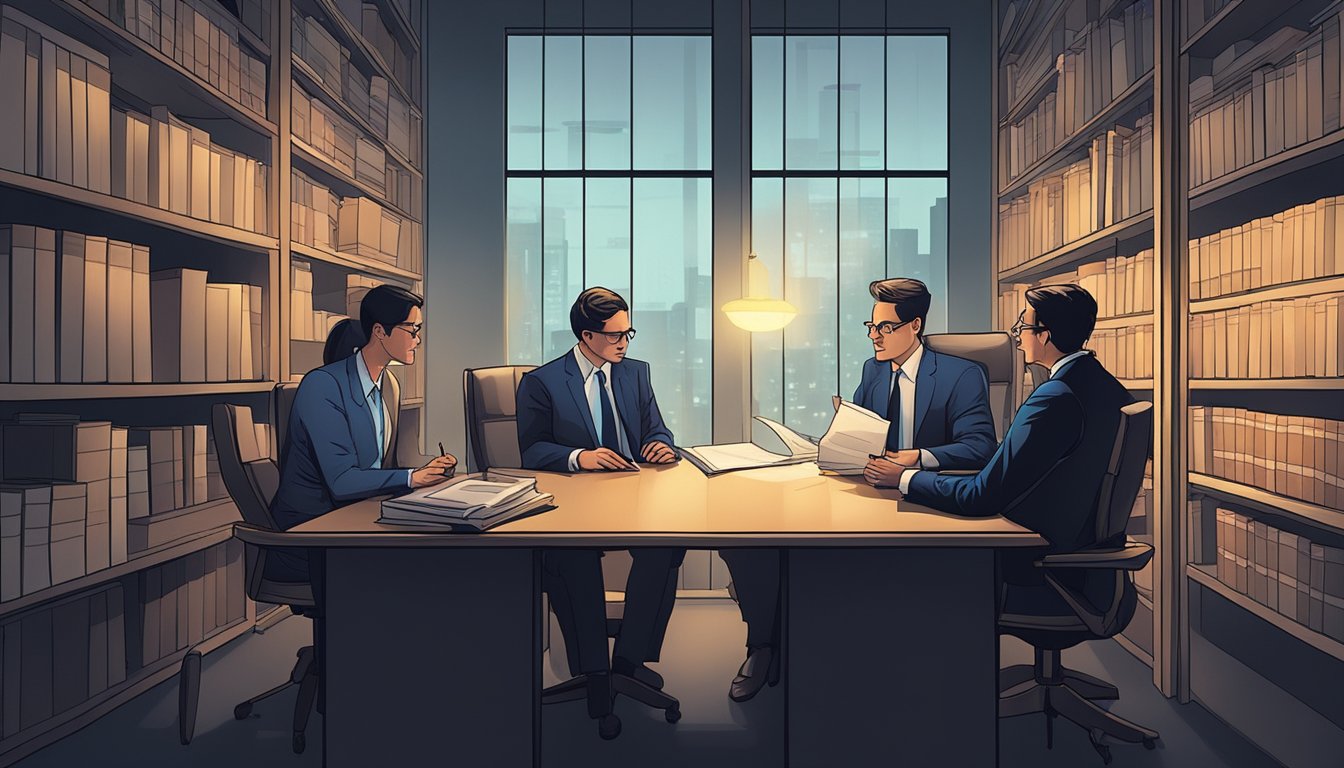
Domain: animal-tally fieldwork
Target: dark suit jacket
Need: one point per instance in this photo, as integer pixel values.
(1047, 474)
(553, 416)
(952, 416)
(331, 443)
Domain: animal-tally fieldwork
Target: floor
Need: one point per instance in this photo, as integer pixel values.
(702, 652)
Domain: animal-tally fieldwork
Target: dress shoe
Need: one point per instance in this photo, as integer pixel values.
(761, 666)
(639, 672)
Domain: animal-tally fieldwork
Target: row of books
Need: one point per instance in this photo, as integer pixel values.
(369, 96)
(56, 96)
(1297, 456)
(1121, 285)
(1126, 352)
(205, 331)
(358, 225)
(1103, 59)
(313, 211)
(1263, 98)
(162, 161)
(56, 657)
(337, 140)
(203, 38)
(1285, 339)
(1114, 183)
(1283, 571)
(367, 18)
(1301, 243)
(184, 601)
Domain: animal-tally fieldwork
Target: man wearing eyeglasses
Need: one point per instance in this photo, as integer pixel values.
(593, 410)
(938, 406)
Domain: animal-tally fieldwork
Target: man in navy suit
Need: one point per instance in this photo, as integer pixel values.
(339, 445)
(938, 406)
(593, 410)
(1047, 473)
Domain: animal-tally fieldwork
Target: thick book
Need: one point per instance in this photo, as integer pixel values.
(716, 459)
(472, 502)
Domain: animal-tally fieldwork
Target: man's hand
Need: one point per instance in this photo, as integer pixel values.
(600, 459)
(435, 472)
(882, 472)
(909, 457)
(657, 452)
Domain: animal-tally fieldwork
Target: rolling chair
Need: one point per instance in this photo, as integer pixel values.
(492, 415)
(1002, 361)
(1067, 611)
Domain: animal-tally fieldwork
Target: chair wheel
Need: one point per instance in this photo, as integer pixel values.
(672, 713)
(241, 711)
(1150, 743)
(609, 727)
(300, 742)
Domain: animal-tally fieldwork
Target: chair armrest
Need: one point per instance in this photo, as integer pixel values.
(958, 472)
(1131, 557)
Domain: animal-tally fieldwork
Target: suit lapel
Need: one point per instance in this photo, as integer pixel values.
(574, 380)
(361, 423)
(392, 405)
(626, 405)
(925, 383)
(879, 390)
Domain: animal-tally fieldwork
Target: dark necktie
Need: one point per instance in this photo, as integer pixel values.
(609, 439)
(894, 414)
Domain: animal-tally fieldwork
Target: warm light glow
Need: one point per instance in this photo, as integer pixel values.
(757, 313)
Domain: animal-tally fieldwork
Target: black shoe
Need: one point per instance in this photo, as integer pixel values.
(639, 672)
(599, 697)
(762, 665)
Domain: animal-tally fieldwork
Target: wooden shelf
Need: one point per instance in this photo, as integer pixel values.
(1252, 181)
(354, 261)
(1242, 19)
(338, 179)
(354, 40)
(412, 402)
(128, 391)
(1207, 577)
(1313, 287)
(1138, 385)
(315, 87)
(26, 742)
(140, 561)
(1313, 514)
(1317, 385)
(1079, 250)
(1124, 321)
(139, 211)
(1132, 96)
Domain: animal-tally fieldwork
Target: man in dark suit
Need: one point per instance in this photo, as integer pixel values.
(938, 406)
(1047, 473)
(592, 410)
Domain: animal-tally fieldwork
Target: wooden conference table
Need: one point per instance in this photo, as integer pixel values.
(433, 638)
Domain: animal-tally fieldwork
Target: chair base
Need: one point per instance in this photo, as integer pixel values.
(1087, 686)
(576, 688)
(303, 675)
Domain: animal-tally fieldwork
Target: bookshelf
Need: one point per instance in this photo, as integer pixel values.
(230, 92)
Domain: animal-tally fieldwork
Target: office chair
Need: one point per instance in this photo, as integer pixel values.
(1066, 610)
(1002, 361)
(492, 415)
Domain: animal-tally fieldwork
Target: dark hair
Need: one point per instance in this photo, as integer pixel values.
(593, 309)
(910, 296)
(1067, 311)
(344, 339)
(386, 305)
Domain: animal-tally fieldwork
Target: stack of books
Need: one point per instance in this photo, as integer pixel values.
(470, 503)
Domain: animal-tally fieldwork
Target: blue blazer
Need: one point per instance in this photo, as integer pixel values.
(952, 416)
(330, 445)
(1047, 474)
(553, 416)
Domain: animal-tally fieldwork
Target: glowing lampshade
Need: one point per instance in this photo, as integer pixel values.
(757, 313)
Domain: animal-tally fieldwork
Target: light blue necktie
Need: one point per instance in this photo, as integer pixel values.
(378, 422)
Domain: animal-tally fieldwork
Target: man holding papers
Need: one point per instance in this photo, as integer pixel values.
(938, 406)
(593, 410)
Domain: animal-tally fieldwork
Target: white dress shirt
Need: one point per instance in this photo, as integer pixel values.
(373, 397)
(590, 389)
(902, 375)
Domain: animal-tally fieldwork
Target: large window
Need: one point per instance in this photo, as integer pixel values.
(849, 185)
(609, 184)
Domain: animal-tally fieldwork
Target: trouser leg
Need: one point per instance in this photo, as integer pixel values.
(573, 579)
(755, 575)
(650, 594)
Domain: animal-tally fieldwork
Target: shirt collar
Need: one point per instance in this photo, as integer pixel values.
(1065, 360)
(912, 362)
(366, 382)
(586, 367)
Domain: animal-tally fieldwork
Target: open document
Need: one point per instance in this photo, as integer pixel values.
(713, 459)
(855, 434)
(471, 503)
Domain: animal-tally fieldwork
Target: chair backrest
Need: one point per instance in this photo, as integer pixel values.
(249, 475)
(1124, 472)
(1002, 361)
(492, 414)
(282, 402)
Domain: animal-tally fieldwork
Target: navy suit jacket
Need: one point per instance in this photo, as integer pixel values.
(331, 444)
(952, 416)
(1047, 474)
(553, 415)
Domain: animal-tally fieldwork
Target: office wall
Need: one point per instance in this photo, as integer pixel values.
(465, 280)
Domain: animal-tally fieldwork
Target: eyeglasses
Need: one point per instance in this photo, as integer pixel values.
(886, 328)
(616, 336)
(411, 328)
(1020, 326)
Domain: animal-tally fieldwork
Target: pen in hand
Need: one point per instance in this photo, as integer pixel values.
(451, 469)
